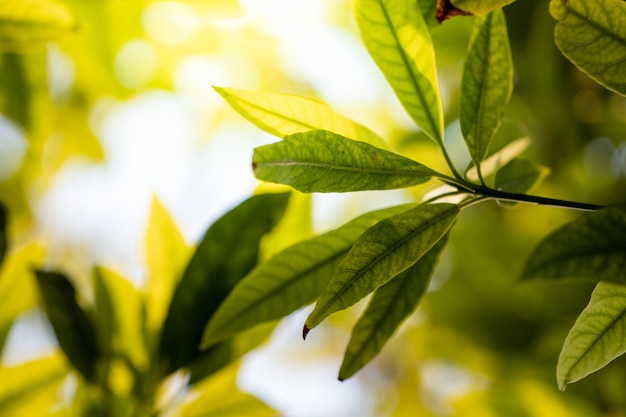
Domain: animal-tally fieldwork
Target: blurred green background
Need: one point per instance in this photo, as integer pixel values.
(117, 106)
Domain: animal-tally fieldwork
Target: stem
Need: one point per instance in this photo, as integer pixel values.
(486, 193)
(449, 162)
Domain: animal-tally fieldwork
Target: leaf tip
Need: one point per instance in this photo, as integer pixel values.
(305, 331)
(446, 10)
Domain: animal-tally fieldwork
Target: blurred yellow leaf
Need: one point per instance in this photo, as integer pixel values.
(166, 257)
(30, 23)
(32, 389)
(219, 396)
(120, 309)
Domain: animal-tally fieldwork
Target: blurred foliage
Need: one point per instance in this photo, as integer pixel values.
(480, 343)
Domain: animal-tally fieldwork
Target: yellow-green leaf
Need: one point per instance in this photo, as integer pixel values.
(286, 114)
(219, 396)
(592, 34)
(480, 6)
(398, 39)
(487, 83)
(25, 24)
(120, 309)
(598, 336)
(166, 255)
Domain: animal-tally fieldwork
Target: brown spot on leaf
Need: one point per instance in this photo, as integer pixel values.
(446, 10)
(305, 331)
(253, 166)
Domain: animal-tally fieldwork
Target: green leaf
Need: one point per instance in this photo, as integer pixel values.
(228, 251)
(289, 280)
(120, 309)
(219, 396)
(520, 176)
(382, 252)
(322, 161)
(398, 40)
(499, 158)
(592, 34)
(30, 24)
(480, 6)
(389, 306)
(487, 83)
(286, 114)
(74, 330)
(166, 256)
(592, 247)
(598, 336)
(3, 233)
(30, 384)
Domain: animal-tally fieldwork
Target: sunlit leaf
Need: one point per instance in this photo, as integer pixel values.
(382, 252)
(520, 176)
(389, 306)
(227, 252)
(598, 336)
(219, 396)
(286, 114)
(289, 280)
(499, 158)
(487, 83)
(592, 247)
(17, 288)
(322, 161)
(31, 23)
(480, 6)
(166, 255)
(72, 327)
(36, 381)
(398, 39)
(3, 233)
(592, 34)
(120, 310)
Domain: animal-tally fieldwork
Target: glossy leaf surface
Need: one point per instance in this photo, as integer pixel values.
(398, 39)
(289, 280)
(29, 24)
(592, 34)
(592, 248)
(74, 330)
(227, 252)
(487, 83)
(322, 161)
(598, 336)
(286, 114)
(390, 305)
(382, 252)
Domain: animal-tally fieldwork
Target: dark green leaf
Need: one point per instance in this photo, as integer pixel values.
(227, 252)
(389, 306)
(322, 161)
(382, 252)
(72, 326)
(487, 83)
(598, 336)
(289, 280)
(592, 34)
(520, 176)
(592, 247)
(398, 40)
